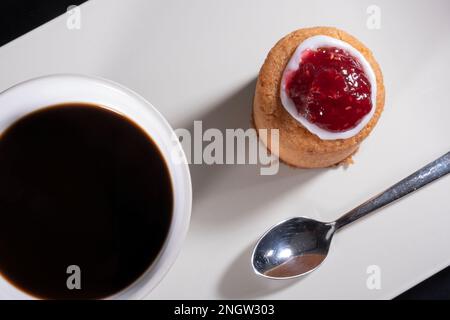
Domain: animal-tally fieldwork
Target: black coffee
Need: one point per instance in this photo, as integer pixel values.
(80, 186)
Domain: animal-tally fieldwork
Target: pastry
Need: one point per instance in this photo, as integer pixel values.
(323, 90)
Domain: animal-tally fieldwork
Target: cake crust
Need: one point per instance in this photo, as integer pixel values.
(297, 146)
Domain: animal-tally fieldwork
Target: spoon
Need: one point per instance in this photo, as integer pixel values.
(297, 246)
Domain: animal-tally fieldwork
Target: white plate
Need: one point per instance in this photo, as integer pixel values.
(198, 59)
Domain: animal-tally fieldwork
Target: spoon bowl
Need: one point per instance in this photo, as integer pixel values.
(292, 248)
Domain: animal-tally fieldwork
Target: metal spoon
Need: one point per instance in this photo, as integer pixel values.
(299, 245)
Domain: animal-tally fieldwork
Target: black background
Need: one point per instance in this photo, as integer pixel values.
(17, 17)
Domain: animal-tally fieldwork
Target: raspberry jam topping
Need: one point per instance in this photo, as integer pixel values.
(330, 89)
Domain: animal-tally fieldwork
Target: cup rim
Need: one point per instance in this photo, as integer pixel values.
(44, 91)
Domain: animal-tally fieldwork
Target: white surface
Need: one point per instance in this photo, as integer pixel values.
(39, 93)
(198, 59)
(313, 43)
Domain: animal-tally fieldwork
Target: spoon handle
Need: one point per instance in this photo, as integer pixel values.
(417, 180)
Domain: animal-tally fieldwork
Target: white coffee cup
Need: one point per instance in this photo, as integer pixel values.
(42, 92)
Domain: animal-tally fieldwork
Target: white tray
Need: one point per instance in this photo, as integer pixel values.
(198, 60)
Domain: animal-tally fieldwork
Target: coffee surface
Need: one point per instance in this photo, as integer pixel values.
(81, 186)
